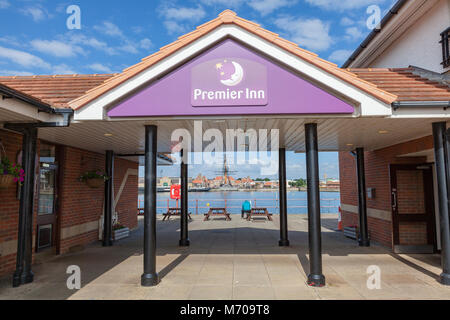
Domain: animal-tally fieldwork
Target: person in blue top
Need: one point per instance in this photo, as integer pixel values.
(246, 208)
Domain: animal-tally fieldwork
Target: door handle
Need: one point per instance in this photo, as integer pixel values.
(394, 199)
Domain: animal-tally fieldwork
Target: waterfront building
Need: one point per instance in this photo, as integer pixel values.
(389, 125)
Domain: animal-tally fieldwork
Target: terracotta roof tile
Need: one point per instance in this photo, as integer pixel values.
(55, 90)
(406, 85)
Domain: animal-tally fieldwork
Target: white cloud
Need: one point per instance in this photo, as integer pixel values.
(353, 34)
(82, 40)
(345, 21)
(340, 56)
(11, 41)
(30, 61)
(183, 13)
(37, 13)
(178, 19)
(23, 58)
(226, 3)
(312, 34)
(98, 67)
(174, 27)
(4, 4)
(342, 5)
(15, 73)
(109, 29)
(56, 48)
(137, 29)
(146, 44)
(265, 7)
(129, 48)
(62, 69)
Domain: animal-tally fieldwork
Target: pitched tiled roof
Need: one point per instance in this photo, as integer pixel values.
(228, 17)
(75, 91)
(57, 91)
(405, 84)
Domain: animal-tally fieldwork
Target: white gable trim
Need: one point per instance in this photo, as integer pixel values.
(369, 106)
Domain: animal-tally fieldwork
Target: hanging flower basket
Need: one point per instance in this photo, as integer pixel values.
(95, 183)
(6, 181)
(9, 172)
(94, 179)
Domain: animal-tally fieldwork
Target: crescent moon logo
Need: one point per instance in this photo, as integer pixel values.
(232, 73)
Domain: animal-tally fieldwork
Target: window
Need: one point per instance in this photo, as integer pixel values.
(445, 48)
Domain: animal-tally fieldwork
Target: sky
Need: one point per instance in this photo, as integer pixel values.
(36, 38)
(295, 168)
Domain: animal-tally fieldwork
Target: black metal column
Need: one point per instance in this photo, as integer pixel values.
(184, 237)
(109, 200)
(150, 277)
(442, 166)
(315, 278)
(23, 273)
(284, 240)
(363, 240)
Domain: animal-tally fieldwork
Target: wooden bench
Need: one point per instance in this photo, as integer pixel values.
(214, 212)
(174, 212)
(259, 212)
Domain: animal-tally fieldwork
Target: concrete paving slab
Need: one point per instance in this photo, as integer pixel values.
(234, 260)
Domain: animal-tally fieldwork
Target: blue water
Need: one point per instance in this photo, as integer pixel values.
(198, 201)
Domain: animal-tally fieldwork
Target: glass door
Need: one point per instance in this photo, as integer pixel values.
(47, 213)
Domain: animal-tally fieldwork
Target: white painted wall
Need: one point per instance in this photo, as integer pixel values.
(419, 46)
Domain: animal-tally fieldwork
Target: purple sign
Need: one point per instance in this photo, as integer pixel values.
(230, 79)
(229, 82)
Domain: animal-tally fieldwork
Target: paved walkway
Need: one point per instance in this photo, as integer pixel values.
(235, 260)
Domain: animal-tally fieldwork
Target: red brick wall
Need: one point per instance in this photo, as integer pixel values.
(9, 205)
(79, 204)
(128, 201)
(377, 176)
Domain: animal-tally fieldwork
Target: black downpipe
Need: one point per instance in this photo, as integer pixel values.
(363, 240)
(443, 180)
(184, 237)
(109, 200)
(284, 240)
(23, 273)
(315, 278)
(150, 277)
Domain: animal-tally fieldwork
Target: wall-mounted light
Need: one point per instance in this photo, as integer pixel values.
(383, 132)
(108, 134)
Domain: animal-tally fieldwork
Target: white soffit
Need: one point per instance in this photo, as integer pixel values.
(14, 110)
(369, 106)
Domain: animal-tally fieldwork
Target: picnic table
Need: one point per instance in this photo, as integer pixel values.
(259, 212)
(217, 212)
(176, 212)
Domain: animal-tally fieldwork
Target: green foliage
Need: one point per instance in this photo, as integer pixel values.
(94, 175)
(299, 183)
